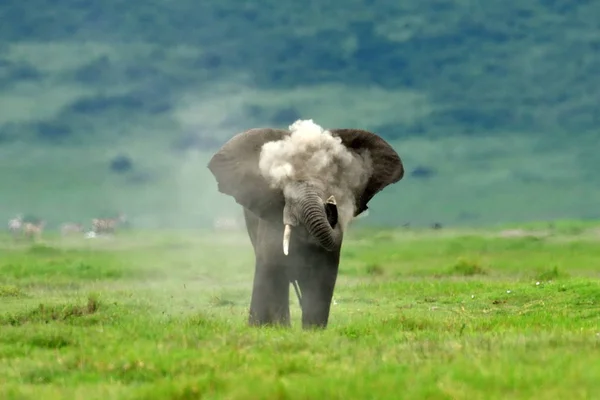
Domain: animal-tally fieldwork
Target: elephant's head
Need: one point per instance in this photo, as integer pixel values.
(306, 192)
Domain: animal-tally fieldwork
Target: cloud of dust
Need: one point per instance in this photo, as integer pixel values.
(314, 155)
(201, 251)
(211, 117)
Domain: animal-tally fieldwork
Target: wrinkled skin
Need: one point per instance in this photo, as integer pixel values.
(316, 235)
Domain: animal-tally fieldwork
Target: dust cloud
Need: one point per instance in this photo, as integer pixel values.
(314, 155)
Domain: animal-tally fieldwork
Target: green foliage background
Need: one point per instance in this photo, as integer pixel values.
(497, 100)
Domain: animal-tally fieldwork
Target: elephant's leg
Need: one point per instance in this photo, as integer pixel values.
(271, 289)
(317, 282)
(270, 296)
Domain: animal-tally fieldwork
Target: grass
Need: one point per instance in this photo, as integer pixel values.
(420, 314)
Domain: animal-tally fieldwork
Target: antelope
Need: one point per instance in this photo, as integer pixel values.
(15, 224)
(106, 225)
(70, 227)
(32, 230)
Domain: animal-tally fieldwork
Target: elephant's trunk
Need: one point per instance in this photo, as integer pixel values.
(312, 215)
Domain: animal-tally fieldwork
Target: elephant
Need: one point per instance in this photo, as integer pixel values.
(310, 257)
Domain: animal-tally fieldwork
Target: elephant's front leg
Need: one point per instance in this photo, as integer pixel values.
(317, 280)
(271, 288)
(270, 296)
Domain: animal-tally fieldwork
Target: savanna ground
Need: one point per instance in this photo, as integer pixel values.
(436, 314)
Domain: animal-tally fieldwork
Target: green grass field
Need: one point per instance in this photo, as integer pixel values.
(420, 314)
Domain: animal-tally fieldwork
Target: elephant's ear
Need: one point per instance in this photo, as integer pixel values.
(235, 167)
(387, 166)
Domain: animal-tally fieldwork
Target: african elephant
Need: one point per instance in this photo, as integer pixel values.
(313, 208)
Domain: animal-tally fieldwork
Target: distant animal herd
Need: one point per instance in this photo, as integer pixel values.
(18, 227)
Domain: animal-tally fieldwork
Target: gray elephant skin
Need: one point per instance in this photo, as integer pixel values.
(311, 255)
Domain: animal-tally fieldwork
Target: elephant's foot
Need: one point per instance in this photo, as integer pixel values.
(272, 314)
(315, 315)
(270, 298)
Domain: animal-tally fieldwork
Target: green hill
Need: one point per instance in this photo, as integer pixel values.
(117, 106)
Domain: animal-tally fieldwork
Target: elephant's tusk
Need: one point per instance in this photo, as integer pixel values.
(286, 239)
(331, 200)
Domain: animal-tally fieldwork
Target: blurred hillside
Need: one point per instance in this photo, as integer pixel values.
(116, 105)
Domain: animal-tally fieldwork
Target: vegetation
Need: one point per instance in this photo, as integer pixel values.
(437, 314)
(492, 106)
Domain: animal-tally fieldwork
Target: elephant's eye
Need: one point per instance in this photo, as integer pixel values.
(332, 214)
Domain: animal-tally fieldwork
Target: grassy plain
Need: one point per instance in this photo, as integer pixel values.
(437, 314)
